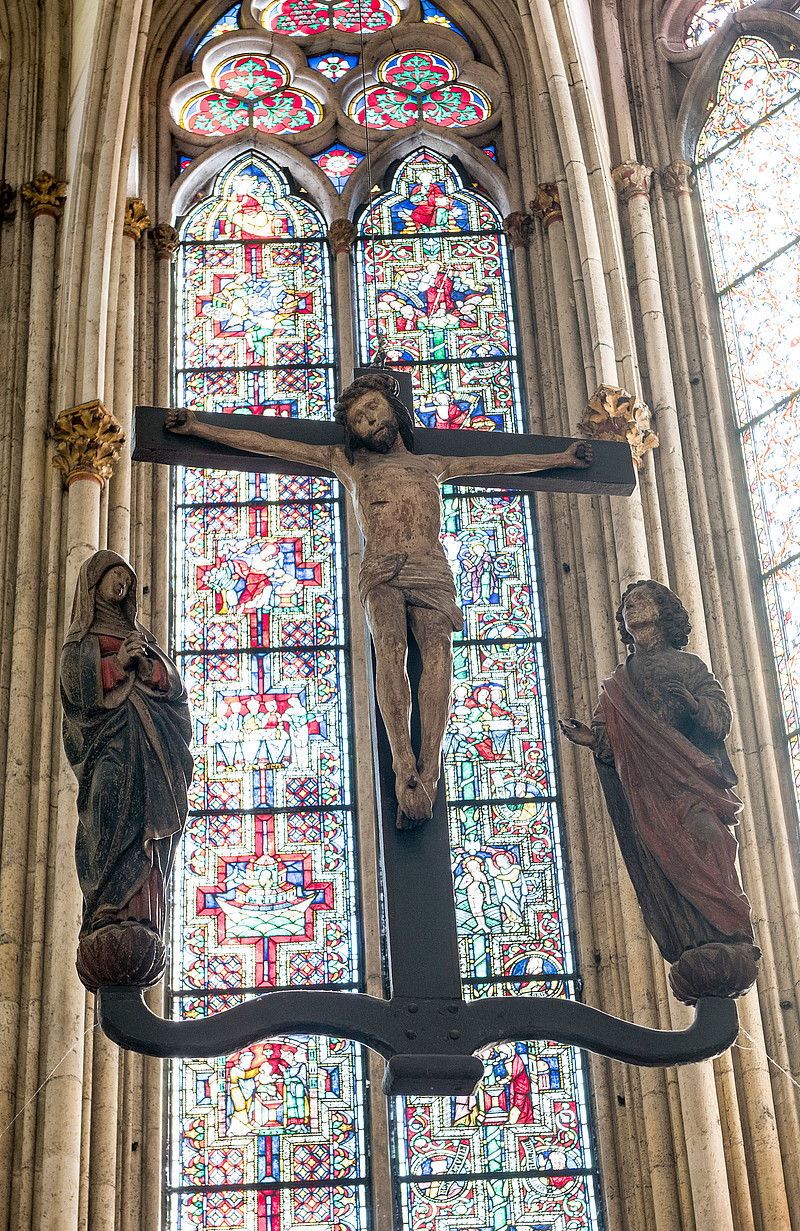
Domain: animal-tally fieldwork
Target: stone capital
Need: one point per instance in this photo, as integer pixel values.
(164, 239)
(518, 228)
(632, 179)
(341, 235)
(45, 195)
(678, 178)
(137, 219)
(88, 441)
(546, 205)
(613, 414)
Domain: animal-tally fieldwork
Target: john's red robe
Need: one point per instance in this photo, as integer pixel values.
(670, 799)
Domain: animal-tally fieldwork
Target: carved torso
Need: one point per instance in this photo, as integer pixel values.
(397, 500)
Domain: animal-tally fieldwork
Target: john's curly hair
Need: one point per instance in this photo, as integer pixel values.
(674, 616)
(386, 384)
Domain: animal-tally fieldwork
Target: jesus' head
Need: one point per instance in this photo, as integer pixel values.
(372, 414)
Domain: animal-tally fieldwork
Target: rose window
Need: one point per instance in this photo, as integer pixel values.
(306, 17)
(248, 90)
(419, 85)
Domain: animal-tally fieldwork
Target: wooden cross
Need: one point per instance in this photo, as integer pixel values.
(426, 1032)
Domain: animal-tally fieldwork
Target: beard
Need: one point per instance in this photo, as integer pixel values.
(382, 440)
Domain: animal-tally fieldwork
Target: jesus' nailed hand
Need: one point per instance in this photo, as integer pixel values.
(405, 579)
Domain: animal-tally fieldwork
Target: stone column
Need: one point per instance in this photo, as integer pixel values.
(341, 237)
(632, 181)
(44, 196)
(88, 441)
(578, 370)
(164, 239)
(136, 221)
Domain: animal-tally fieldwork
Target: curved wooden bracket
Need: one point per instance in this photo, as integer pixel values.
(428, 1044)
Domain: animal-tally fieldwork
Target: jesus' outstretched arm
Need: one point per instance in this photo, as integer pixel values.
(577, 456)
(186, 423)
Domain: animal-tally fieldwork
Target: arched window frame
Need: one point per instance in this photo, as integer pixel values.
(781, 31)
(306, 176)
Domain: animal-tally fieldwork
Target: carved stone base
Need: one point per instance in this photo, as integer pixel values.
(126, 953)
(724, 971)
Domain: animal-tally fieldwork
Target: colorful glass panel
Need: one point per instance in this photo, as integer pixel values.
(254, 275)
(419, 85)
(338, 162)
(303, 18)
(265, 895)
(248, 91)
(749, 180)
(213, 114)
(289, 111)
(334, 66)
(439, 295)
(432, 14)
(433, 267)
(250, 76)
(227, 22)
(708, 18)
(417, 72)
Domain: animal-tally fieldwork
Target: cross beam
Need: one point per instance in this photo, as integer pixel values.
(610, 474)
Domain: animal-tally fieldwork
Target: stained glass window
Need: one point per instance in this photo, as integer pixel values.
(249, 90)
(708, 18)
(419, 85)
(307, 17)
(434, 277)
(338, 162)
(432, 14)
(265, 895)
(228, 22)
(334, 65)
(749, 180)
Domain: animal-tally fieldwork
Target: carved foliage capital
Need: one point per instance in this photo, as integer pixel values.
(613, 414)
(341, 235)
(678, 178)
(164, 239)
(632, 179)
(88, 441)
(546, 205)
(137, 219)
(518, 228)
(45, 195)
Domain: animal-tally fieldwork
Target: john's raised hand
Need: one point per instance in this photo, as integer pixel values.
(577, 732)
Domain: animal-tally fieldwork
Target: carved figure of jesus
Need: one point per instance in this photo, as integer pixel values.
(405, 580)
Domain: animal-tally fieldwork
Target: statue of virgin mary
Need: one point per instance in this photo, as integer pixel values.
(127, 732)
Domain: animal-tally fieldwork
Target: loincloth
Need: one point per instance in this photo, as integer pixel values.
(425, 583)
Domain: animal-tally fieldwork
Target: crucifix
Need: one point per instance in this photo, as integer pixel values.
(393, 474)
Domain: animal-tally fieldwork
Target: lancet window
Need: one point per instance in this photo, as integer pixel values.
(433, 276)
(267, 895)
(748, 172)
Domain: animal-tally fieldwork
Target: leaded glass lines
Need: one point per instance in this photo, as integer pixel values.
(749, 181)
(266, 894)
(433, 278)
